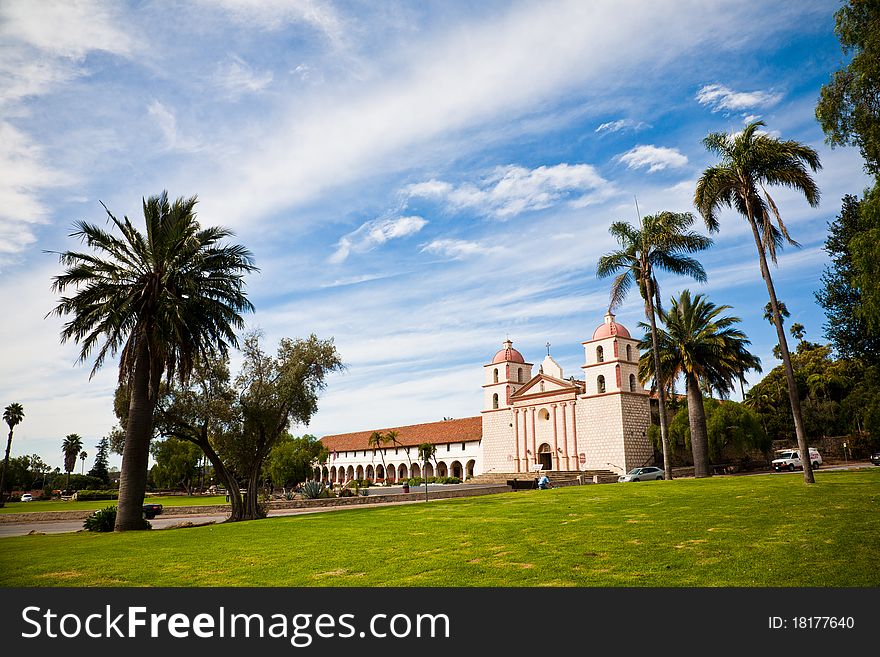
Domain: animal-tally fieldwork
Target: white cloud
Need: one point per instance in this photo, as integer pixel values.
(237, 77)
(656, 158)
(621, 125)
(720, 97)
(511, 190)
(375, 233)
(44, 43)
(457, 249)
(275, 14)
(23, 174)
(167, 123)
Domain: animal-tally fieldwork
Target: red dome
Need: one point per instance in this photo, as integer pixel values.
(610, 329)
(508, 354)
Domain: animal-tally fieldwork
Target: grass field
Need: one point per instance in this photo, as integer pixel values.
(768, 530)
(76, 505)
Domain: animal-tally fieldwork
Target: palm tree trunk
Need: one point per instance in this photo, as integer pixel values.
(786, 357)
(136, 453)
(661, 392)
(699, 434)
(5, 467)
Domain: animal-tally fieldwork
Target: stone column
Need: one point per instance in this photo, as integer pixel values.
(574, 435)
(534, 438)
(565, 437)
(516, 437)
(555, 440)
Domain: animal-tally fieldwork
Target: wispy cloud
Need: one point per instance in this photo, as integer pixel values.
(456, 249)
(236, 77)
(276, 14)
(375, 233)
(720, 97)
(167, 124)
(621, 125)
(511, 190)
(23, 175)
(656, 158)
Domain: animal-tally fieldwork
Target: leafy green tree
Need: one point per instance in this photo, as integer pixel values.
(865, 252)
(12, 416)
(70, 448)
(292, 460)
(705, 348)
(840, 295)
(848, 108)
(660, 243)
(177, 463)
(750, 162)
(160, 299)
(102, 462)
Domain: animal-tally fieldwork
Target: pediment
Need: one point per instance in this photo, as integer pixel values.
(551, 384)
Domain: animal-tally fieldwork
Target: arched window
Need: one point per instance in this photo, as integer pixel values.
(632, 381)
(495, 375)
(495, 400)
(600, 383)
(544, 414)
(600, 355)
(629, 352)
(519, 375)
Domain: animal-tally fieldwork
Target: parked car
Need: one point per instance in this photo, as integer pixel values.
(642, 474)
(790, 459)
(27, 497)
(875, 458)
(152, 510)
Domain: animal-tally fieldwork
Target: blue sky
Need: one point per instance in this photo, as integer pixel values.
(416, 180)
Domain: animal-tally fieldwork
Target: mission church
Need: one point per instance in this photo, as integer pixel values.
(529, 421)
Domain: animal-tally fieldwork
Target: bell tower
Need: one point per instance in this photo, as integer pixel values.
(506, 374)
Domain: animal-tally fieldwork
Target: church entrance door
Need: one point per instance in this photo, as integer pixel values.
(545, 458)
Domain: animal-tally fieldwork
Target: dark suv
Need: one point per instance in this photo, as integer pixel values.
(152, 510)
(875, 458)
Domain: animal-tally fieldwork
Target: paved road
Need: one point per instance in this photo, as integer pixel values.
(162, 522)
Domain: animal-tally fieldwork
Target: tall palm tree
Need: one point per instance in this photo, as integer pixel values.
(709, 351)
(12, 416)
(161, 299)
(378, 441)
(82, 457)
(661, 242)
(70, 447)
(751, 161)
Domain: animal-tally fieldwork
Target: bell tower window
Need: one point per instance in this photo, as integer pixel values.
(495, 400)
(495, 376)
(600, 383)
(629, 352)
(600, 355)
(519, 375)
(632, 381)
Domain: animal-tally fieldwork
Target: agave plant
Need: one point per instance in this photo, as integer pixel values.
(312, 490)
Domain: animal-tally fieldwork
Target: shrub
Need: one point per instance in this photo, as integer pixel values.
(346, 492)
(88, 495)
(312, 490)
(104, 520)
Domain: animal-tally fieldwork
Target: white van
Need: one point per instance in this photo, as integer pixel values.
(790, 459)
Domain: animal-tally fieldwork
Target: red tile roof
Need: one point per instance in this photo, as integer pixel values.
(439, 433)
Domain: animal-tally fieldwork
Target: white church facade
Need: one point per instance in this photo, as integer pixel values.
(529, 421)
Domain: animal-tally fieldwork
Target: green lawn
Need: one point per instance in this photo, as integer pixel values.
(768, 530)
(59, 505)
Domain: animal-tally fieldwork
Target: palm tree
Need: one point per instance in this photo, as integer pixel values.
(709, 351)
(392, 438)
(70, 447)
(162, 300)
(783, 312)
(378, 441)
(12, 416)
(660, 243)
(750, 162)
(82, 457)
(427, 453)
